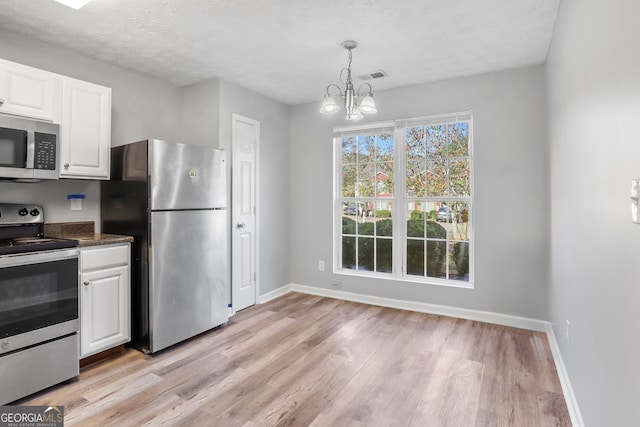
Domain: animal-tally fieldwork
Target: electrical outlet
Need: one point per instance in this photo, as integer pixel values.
(336, 285)
(567, 330)
(321, 265)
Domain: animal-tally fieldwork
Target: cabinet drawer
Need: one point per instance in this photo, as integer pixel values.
(104, 256)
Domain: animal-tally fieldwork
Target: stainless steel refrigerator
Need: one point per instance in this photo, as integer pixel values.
(172, 199)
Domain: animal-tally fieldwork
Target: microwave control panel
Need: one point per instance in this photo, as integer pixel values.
(44, 155)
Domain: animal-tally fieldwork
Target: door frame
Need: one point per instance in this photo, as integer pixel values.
(235, 117)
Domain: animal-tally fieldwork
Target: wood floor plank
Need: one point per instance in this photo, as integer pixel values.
(303, 360)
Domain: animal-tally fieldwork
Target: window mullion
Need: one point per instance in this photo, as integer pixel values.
(399, 205)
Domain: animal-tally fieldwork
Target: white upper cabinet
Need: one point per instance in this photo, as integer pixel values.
(85, 130)
(30, 92)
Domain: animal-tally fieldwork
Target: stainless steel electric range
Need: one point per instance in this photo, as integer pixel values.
(38, 304)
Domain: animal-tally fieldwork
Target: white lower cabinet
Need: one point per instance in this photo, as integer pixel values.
(105, 313)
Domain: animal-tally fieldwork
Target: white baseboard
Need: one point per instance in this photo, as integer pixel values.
(463, 313)
(567, 389)
(423, 307)
(282, 290)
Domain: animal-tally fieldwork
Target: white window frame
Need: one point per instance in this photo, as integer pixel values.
(399, 199)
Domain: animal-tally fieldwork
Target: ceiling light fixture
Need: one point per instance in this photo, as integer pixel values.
(75, 4)
(355, 103)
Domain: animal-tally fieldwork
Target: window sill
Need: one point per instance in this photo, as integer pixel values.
(406, 279)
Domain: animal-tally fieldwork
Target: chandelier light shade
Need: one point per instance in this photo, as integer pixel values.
(356, 103)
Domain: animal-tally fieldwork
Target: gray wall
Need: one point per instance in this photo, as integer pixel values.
(510, 191)
(274, 176)
(142, 107)
(593, 75)
(200, 123)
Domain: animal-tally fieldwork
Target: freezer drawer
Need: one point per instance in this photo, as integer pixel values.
(188, 281)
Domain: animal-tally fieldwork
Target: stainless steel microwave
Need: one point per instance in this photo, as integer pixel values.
(28, 149)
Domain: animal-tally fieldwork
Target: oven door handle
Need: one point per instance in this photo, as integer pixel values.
(13, 260)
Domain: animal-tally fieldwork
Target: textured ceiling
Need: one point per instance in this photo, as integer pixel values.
(290, 50)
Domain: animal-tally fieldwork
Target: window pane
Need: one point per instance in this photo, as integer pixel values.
(436, 231)
(384, 250)
(348, 215)
(349, 174)
(349, 150)
(365, 253)
(436, 259)
(384, 222)
(366, 180)
(415, 144)
(460, 177)
(366, 220)
(416, 219)
(416, 178)
(384, 180)
(415, 257)
(437, 141)
(458, 139)
(349, 252)
(460, 226)
(366, 148)
(459, 260)
(385, 147)
(437, 178)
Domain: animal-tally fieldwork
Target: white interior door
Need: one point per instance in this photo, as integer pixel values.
(245, 140)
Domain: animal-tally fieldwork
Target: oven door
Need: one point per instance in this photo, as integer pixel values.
(38, 297)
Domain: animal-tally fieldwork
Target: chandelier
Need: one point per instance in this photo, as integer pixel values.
(355, 103)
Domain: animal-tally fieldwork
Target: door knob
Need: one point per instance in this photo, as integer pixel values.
(240, 225)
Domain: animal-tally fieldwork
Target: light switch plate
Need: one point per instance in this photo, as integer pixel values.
(76, 204)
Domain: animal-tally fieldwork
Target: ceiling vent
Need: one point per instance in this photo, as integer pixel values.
(375, 75)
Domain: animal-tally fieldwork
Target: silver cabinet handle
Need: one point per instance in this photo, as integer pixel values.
(86, 283)
(240, 225)
(1, 102)
(66, 165)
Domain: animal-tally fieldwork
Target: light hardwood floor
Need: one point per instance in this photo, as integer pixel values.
(303, 360)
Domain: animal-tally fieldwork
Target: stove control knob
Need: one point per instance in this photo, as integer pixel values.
(34, 212)
(23, 212)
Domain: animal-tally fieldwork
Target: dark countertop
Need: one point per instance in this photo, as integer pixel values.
(96, 239)
(84, 233)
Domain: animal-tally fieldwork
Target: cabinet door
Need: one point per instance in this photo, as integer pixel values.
(28, 91)
(85, 130)
(104, 309)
